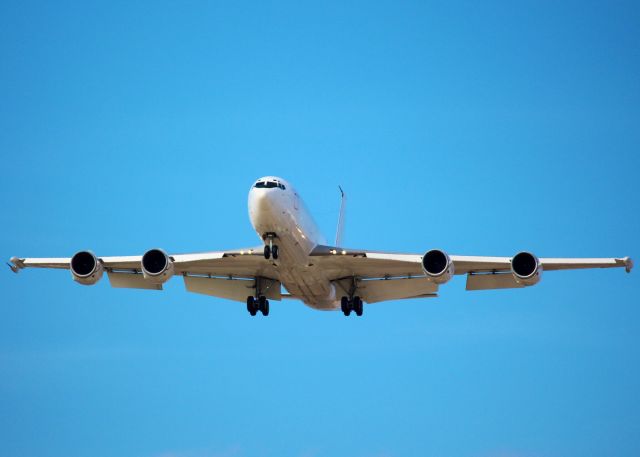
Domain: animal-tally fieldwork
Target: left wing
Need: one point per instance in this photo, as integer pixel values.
(483, 273)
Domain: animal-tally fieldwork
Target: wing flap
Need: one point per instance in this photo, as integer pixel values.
(377, 290)
(488, 281)
(131, 281)
(232, 289)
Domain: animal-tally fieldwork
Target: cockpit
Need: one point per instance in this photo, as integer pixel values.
(269, 184)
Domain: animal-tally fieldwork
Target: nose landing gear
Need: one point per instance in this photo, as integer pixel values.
(270, 249)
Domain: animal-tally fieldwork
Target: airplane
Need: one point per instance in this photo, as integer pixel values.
(295, 255)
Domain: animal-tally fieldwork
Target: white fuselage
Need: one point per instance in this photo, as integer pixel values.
(282, 212)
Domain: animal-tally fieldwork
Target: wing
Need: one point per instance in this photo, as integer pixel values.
(474, 264)
(482, 272)
(339, 263)
(485, 273)
(231, 274)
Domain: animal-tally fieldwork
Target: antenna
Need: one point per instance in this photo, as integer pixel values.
(340, 229)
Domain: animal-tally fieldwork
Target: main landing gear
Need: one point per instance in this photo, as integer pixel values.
(355, 304)
(270, 249)
(258, 304)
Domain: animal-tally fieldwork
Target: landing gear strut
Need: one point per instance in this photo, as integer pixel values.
(355, 304)
(270, 249)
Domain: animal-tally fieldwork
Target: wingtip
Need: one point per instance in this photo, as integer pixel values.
(628, 264)
(15, 265)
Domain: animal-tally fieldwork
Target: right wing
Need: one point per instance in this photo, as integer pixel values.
(231, 274)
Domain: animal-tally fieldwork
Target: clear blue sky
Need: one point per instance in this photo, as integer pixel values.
(476, 127)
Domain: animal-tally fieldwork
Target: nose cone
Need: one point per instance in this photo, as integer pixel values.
(260, 199)
(264, 206)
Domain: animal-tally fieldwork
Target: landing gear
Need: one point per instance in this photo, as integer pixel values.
(252, 306)
(258, 304)
(263, 305)
(271, 250)
(345, 306)
(355, 304)
(358, 306)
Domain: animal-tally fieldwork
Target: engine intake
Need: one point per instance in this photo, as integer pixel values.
(437, 266)
(157, 266)
(526, 268)
(86, 268)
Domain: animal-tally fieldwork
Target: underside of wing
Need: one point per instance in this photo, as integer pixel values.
(233, 274)
(376, 276)
(435, 266)
(477, 264)
(377, 290)
(342, 263)
(523, 269)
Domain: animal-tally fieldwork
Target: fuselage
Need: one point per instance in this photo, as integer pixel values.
(276, 208)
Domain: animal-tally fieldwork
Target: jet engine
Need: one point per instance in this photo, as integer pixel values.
(157, 266)
(86, 268)
(437, 266)
(526, 268)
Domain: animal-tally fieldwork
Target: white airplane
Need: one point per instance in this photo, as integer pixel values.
(295, 255)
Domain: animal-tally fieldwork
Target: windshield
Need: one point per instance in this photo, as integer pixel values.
(269, 185)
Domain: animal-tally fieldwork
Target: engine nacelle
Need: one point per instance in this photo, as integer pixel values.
(437, 265)
(86, 268)
(526, 268)
(157, 266)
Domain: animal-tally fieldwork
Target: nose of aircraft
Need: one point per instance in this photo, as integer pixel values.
(263, 203)
(266, 199)
(261, 199)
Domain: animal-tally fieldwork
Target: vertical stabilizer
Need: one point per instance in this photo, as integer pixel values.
(340, 228)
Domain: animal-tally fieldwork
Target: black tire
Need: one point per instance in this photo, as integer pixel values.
(344, 305)
(265, 308)
(267, 252)
(251, 305)
(357, 306)
(274, 252)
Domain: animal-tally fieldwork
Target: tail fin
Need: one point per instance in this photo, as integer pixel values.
(340, 228)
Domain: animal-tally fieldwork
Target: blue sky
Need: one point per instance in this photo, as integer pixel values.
(476, 127)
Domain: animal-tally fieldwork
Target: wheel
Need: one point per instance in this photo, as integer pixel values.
(262, 300)
(251, 305)
(357, 306)
(263, 305)
(267, 252)
(344, 305)
(274, 252)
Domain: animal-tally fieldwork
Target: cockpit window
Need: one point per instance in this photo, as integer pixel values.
(269, 185)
